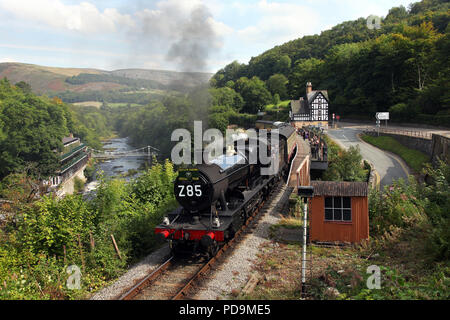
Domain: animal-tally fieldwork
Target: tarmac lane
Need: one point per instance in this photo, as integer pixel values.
(389, 166)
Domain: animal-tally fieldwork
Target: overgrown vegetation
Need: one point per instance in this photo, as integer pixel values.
(40, 240)
(409, 242)
(345, 165)
(414, 158)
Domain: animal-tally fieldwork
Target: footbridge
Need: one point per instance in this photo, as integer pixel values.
(147, 152)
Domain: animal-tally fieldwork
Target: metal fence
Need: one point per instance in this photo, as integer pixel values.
(411, 133)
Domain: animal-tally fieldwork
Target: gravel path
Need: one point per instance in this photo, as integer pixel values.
(234, 272)
(134, 275)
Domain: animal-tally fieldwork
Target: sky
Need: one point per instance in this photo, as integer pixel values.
(181, 35)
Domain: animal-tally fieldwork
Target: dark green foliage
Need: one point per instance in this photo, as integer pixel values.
(254, 93)
(346, 166)
(32, 128)
(226, 96)
(277, 86)
(50, 234)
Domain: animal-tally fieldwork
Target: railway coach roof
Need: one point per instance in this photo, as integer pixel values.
(286, 130)
(340, 188)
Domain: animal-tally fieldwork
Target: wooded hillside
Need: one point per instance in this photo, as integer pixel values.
(402, 67)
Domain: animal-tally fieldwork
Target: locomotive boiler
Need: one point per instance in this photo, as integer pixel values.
(216, 198)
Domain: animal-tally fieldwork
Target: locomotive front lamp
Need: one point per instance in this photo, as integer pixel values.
(216, 223)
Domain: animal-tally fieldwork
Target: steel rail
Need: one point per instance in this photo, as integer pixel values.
(134, 291)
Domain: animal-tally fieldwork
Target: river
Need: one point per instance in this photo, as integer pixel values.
(116, 166)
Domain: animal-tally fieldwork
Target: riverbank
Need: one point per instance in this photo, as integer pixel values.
(117, 167)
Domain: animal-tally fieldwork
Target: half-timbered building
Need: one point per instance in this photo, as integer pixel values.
(311, 110)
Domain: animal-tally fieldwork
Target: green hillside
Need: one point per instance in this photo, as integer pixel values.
(402, 67)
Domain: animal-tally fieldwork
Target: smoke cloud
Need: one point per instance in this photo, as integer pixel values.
(197, 40)
(185, 30)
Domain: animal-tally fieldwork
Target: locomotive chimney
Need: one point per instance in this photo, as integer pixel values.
(308, 87)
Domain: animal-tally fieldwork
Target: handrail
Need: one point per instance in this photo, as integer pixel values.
(71, 152)
(410, 133)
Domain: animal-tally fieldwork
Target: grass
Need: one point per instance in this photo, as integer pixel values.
(413, 158)
(406, 273)
(282, 105)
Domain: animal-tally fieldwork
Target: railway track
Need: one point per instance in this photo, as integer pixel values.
(173, 279)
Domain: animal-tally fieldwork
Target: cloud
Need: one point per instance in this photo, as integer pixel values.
(277, 23)
(183, 31)
(63, 50)
(6, 59)
(83, 17)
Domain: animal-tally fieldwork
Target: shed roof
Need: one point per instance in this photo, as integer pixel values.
(67, 140)
(340, 188)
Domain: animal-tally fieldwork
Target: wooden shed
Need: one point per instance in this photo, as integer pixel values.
(339, 211)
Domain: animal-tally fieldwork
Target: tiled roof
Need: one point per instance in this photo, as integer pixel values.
(340, 188)
(314, 93)
(299, 106)
(67, 140)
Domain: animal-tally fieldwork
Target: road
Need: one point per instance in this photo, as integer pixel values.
(389, 167)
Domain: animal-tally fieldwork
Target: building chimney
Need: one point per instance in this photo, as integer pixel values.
(71, 135)
(308, 87)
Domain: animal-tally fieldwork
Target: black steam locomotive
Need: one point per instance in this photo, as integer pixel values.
(217, 198)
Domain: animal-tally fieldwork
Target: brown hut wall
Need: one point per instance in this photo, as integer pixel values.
(329, 231)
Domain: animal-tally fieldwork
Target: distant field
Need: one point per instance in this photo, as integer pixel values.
(89, 104)
(97, 104)
(282, 105)
(122, 104)
(415, 159)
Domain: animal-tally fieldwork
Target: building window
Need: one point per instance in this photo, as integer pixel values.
(338, 209)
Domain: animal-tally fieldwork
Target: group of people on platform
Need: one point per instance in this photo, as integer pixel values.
(319, 149)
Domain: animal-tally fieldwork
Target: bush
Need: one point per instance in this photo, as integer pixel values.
(78, 185)
(51, 234)
(346, 166)
(392, 205)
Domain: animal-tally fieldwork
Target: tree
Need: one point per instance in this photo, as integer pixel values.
(305, 70)
(226, 97)
(283, 65)
(254, 93)
(277, 85)
(25, 87)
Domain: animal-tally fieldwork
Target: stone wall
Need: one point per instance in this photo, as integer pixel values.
(416, 143)
(440, 148)
(67, 187)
